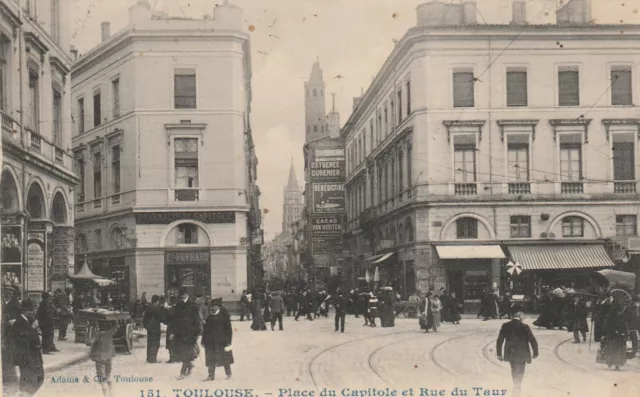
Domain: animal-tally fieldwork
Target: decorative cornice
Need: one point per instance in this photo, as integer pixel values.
(35, 41)
(609, 122)
(58, 64)
(79, 149)
(185, 126)
(555, 123)
(10, 14)
(519, 123)
(97, 141)
(115, 134)
(463, 123)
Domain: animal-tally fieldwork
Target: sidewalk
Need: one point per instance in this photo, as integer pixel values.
(74, 353)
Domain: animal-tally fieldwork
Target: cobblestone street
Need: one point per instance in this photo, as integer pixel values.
(310, 356)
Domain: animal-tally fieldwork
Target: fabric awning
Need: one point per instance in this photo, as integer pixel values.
(373, 258)
(470, 252)
(560, 256)
(383, 257)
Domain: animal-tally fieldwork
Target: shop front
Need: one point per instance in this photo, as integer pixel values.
(190, 269)
(471, 270)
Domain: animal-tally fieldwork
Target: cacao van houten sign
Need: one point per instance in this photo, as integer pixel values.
(165, 218)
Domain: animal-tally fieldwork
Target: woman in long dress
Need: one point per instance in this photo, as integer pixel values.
(387, 316)
(258, 323)
(436, 306)
(614, 344)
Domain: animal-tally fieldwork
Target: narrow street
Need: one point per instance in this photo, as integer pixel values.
(310, 356)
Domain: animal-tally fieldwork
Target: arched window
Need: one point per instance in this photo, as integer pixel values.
(59, 209)
(187, 234)
(35, 202)
(408, 230)
(315, 93)
(467, 228)
(401, 235)
(9, 193)
(392, 234)
(315, 128)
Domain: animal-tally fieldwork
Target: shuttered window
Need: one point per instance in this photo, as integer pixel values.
(568, 88)
(464, 162)
(184, 81)
(570, 162)
(186, 162)
(517, 88)
(463, 92)
(623, 157)
(621, 83)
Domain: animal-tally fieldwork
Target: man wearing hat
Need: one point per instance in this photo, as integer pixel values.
(188, 328)
(10, 312)
(27, 353)
(633, 322)
(45, 316)
(216, 339)
(516, 337)
(151, 321)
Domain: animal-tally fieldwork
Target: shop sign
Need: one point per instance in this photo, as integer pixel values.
(328, 171)
(165, 218)
(11, 244)
(329, 153)
(199, 257)
(35, 266)
(328, 198)
(257, 237)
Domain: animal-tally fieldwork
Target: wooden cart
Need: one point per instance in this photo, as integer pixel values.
(87, 322)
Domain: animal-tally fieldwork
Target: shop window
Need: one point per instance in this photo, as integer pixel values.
(626, 225)
(187, 234)
(573, 226)
(520, 226)
(467, 228)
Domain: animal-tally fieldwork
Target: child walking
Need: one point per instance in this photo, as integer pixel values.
(102, 351)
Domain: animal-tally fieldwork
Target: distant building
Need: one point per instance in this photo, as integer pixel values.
(37, 178)
(163, 144)
(478, 144)
(293, 202)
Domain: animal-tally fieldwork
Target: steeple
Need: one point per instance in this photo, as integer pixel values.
(315, 116)
(316, 72)
(292, 184)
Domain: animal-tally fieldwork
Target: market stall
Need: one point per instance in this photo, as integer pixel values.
(123, 338)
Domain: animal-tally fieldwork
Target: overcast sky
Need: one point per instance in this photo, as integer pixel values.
(351, 37)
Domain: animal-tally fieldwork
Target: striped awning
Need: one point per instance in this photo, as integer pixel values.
(560, 256)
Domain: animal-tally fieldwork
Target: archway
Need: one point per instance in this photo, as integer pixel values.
(9, 196)
(35, 202)
(59, 209)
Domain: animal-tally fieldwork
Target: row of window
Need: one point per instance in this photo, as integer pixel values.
(572, 226)
(568, 86)
(387, 118)
(186, 172)
(184, 97)
(32, 10)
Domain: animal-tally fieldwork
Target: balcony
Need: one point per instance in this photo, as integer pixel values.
(519, 188)
(465, 189)
(572, 188)
(36, 142)
(186, 194)
(624, 187)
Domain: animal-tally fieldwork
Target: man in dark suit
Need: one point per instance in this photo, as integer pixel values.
(151, 320)
(578, 318)
(45, 316)
(516, 338)
(27, 354)
(277, 309)
(185, 334)
(340, 304)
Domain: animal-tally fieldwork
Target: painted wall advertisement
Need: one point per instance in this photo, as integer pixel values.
(328, 198)
(323, 170)
(35, 262)
(62, 258)
(11, 244)
(326, 238)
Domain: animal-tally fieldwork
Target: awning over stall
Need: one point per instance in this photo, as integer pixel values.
(560, 256)
(383, 257)
(470, 252)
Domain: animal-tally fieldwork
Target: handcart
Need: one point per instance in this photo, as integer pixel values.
(88, 323)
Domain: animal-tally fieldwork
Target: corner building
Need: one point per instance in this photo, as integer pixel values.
(476, 144)
(163, 146)
(37, 178)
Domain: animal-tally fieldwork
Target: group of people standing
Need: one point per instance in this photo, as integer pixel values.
(436, 308)
(614, 324)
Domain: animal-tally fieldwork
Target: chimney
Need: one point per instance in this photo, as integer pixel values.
(469, 10)
(74, 52)
(519, 12)
(106, 30)
(575, 12)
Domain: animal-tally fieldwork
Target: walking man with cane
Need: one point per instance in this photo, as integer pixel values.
(516, 337)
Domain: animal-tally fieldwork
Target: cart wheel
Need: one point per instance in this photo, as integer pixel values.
(621, 296)
(128, 338)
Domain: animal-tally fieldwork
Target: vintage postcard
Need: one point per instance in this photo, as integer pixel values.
(320, 198)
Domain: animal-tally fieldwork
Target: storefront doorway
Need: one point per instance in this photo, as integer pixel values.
(468, 278)
(189, 269)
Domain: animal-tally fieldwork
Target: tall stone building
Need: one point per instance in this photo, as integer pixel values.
(293, 203)
(37, 179)
(166, 199)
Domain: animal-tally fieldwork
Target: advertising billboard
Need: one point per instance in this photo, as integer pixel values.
(328, 198)
(327, 171)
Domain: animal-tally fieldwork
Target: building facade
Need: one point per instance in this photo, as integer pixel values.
(163, 147)
(480, 144)
(37, 178)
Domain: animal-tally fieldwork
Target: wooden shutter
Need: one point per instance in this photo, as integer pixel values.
(516, 88)
(463, 93)
(623, 161)
(621, 92)
(569, 88)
